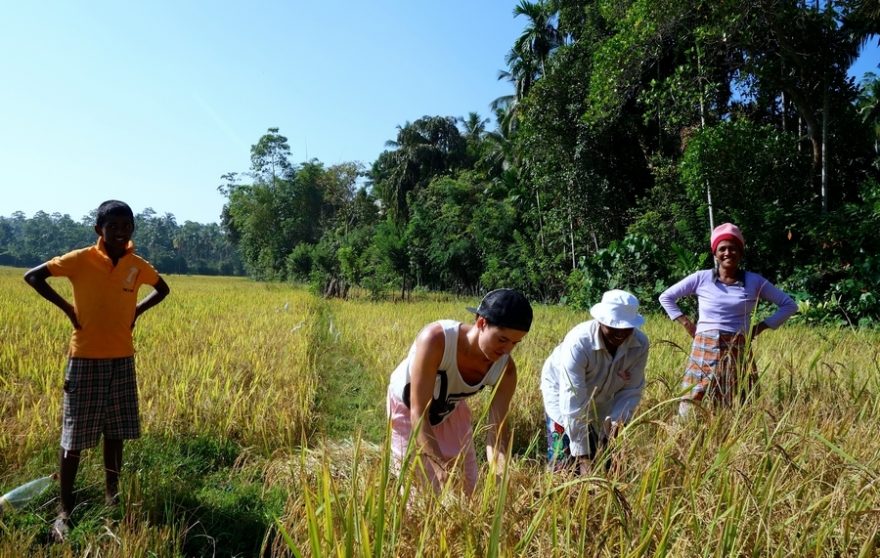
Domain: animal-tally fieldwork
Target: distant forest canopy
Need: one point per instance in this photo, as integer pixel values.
(189, 248)
(631, 126)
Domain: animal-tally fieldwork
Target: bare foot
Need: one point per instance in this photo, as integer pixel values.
(60, 529)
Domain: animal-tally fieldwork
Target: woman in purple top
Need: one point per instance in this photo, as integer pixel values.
(727, 297)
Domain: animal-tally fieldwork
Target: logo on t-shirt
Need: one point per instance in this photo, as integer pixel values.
(128, 284)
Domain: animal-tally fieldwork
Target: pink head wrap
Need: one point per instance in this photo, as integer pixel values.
(727, 231)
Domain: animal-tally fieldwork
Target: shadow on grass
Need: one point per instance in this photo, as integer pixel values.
(193, 483)
(188, 484)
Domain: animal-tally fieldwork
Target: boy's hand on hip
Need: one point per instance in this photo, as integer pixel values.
(71, 314)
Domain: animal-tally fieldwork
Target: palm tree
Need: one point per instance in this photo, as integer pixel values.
(526, 60)
(540, 37)
(428, 147)
(869, 105)
(473, 127)
(473, 130)
(498, 153)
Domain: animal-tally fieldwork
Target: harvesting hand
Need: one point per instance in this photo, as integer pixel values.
(584, 465)
(441, 467)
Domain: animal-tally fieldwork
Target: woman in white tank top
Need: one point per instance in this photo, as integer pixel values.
(449, 362)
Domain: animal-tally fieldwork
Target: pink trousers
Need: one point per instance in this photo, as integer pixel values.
(454, 435)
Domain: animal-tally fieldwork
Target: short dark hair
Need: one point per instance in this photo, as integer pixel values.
(113, 207)
(505, 308)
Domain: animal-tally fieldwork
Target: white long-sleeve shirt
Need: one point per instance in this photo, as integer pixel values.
(582, 383)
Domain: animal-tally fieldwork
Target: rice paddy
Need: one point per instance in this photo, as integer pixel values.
(262, 409)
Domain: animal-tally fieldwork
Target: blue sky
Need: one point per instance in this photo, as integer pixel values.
(151, 102)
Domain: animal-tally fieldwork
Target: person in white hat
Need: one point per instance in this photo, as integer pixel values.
(593, 381)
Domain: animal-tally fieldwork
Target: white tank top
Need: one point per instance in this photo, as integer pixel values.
(449, 387)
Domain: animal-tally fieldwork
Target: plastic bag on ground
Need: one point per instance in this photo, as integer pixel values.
(18, 497)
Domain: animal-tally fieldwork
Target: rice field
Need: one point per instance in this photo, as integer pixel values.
(264, 435)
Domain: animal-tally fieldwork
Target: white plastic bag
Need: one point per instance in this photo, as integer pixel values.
(18, 497)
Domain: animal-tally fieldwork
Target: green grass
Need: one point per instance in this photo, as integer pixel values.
(346, 398)
(203, 489)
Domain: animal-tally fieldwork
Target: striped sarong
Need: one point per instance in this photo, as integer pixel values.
(719, 368)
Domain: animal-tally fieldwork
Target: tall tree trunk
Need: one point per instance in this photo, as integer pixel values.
(826, 105)
(800, 132)
(814, 129)
(702, 126)
(540, 219)
(571, 225)
(784, 123)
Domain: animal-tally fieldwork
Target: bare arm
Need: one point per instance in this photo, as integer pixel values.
(786, 307)
(152, 299)
(423, 374)
(687, 324)
(36, 278)
(669, 301)
(498, 438)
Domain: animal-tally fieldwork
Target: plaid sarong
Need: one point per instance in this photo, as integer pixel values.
(719, 367)
(100, 398)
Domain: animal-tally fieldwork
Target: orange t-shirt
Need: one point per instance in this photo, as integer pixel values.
(104, 297)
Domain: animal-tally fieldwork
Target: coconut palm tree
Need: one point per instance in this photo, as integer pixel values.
(428, 147)
(540, 37)
(869, 105)
(526, 61)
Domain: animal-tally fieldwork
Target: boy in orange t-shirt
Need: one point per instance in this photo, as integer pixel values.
(100, 386)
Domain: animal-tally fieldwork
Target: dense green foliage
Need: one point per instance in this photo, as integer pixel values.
(633, 125)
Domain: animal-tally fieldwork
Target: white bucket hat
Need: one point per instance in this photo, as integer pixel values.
(618, 309)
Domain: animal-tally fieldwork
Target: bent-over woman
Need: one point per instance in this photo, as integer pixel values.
(449, 362)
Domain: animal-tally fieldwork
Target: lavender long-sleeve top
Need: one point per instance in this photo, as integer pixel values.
(728, 308)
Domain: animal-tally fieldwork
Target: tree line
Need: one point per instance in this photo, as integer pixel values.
(632, 127)
(196, 248)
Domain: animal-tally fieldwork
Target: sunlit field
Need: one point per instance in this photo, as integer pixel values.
(263, 417)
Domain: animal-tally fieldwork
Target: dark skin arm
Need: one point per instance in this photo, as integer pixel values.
(36, 278)
(759, 329)
(152, 299)
(687, 324)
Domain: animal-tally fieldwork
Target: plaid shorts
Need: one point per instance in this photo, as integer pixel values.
(100, 398)
(717, 366)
